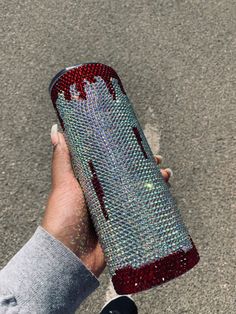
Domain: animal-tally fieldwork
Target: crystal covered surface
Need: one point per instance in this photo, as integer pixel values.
(137, 220)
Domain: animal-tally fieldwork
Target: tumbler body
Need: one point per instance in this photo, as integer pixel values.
(136, 218)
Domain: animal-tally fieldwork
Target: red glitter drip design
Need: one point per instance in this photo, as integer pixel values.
(81, 73)
(129, 280)
(139, 139)
(77, 76)
(98, 189)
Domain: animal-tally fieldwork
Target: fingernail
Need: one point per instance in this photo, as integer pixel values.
(159, 157)
(169, 171)
(54, 135)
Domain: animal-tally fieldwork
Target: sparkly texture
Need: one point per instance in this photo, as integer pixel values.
(98, 188)
(80, 74)
(145, 241)
(128, 280)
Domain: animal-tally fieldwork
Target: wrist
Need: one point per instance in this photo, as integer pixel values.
(67, 240)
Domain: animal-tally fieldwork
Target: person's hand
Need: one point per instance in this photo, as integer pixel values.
(66, 216)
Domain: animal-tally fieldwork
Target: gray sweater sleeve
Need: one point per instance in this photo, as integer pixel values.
(44, 277)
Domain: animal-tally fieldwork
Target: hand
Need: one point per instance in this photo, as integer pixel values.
(66, 216)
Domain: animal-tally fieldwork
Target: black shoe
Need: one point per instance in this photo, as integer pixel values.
(120, 305)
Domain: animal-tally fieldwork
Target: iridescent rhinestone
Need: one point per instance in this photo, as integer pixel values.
(132, 209)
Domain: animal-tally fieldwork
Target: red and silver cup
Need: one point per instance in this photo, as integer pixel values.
(136, 218)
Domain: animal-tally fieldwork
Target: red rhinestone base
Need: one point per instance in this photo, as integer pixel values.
(128, 280)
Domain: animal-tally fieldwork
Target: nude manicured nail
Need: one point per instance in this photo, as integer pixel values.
(169, 171)
(54, 134)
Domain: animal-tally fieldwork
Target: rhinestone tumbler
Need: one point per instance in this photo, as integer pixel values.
(138, 223)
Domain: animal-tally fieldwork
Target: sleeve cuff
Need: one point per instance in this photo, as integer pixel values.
(45, 274)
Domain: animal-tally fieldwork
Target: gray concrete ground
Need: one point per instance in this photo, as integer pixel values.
(177, 62)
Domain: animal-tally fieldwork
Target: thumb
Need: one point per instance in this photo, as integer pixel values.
(61, 162)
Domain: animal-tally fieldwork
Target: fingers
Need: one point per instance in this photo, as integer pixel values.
(167, 172)
(158, 158)
(61, 162)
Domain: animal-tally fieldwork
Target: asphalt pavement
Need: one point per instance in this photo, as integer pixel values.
(177, 61)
